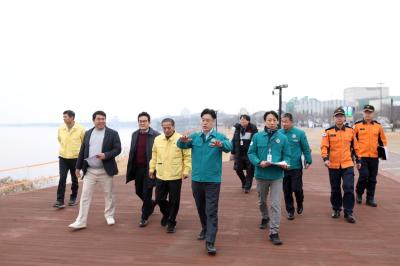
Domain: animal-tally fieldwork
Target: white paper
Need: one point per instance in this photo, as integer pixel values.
(283, 163)
(386, 152)
(92, 160)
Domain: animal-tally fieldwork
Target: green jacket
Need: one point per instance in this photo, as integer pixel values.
(206, 160)
(298, 146)
(259, 149)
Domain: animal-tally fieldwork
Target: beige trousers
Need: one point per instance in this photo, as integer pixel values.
(92, 177)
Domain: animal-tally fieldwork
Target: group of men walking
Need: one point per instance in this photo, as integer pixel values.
(274, 157)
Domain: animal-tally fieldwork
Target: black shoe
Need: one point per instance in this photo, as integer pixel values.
(359, 199)
(202, 235)
(247, 191)
(350, 218)
(59, 205)
(300, 209)
(143, 223)
(335, 214)
(211, 250)
(290, 216)
(264, 223)
(72, 202)
(164, 220)
(274, 238)
(171, 229)
(372, 203)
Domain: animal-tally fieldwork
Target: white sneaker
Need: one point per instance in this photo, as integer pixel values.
(110, 220)
(76, 225)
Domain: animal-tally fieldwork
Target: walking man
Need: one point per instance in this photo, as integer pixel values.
(97, 161)
(269, 152)
(370, 135)
(70, 138)
(138, 165)
(169, 165)
(339, 148)
(293, 180)
(207, 147)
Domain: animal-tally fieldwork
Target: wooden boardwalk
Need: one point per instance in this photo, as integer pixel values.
(33, 233)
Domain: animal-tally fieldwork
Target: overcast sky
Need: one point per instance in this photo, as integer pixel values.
(162, 56)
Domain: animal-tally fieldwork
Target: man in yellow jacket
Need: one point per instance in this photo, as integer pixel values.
(169, 165)
(70, 138)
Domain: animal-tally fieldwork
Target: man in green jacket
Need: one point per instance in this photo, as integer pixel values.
(207, 147)
(269, 152)
(293, 180)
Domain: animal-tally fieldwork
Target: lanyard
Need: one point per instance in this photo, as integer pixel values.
(269, 147)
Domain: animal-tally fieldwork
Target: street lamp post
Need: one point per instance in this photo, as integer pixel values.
(279, 88)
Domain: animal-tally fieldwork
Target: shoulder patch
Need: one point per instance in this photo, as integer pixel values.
(324, 134)
(332, 127)
(376, 122)
(358, 122)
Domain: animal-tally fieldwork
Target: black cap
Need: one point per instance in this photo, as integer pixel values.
(369, 107)
(338, 111)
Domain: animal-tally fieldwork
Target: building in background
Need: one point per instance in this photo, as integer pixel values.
(359, 96)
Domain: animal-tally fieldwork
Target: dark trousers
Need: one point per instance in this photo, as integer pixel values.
(206, 196)
(335, 177)
(293, 183)
(242, 164)
(367, 177)
(169, 208)
(66, 165)
(144, 189)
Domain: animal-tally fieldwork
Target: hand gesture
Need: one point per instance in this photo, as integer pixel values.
(185, 139)
(101, 156)
(216, 143)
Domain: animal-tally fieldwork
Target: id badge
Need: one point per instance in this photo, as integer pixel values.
(269, 156)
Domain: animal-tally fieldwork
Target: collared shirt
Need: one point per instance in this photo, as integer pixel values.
(207, 135)
(70, 140)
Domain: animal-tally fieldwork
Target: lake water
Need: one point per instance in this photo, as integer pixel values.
(22, 146)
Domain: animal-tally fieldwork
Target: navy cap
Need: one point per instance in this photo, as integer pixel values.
(338, 111)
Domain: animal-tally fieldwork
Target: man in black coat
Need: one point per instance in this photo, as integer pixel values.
(97, 161)
(244, 132)
(138, 165)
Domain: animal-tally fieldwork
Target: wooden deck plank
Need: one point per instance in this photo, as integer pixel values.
(33, 233)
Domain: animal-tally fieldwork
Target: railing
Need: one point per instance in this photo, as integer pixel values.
(36, 176)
